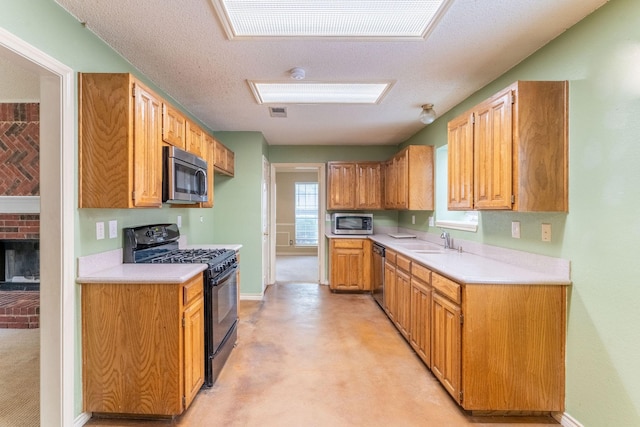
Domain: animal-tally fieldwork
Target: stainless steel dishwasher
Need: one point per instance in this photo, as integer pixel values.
(377, 288)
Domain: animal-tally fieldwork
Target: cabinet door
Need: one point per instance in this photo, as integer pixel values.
(445, 344)
(460, 162)
(401, 162)
(493, 140)
(390, 185)
(420, 325)
(147, 172)
(403, 301)
(390, 290)
(342, 185)
(193, 350)
(209, 145)
(174, 126)
(369, 186)
(195, 139)
(347, 264)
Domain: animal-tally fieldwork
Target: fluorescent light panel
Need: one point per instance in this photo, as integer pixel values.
(319, 93)
(330, 18)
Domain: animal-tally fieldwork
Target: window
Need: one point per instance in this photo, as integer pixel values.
(306, 211)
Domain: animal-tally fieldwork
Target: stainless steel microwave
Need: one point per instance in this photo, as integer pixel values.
(184, 177)
(352, 223)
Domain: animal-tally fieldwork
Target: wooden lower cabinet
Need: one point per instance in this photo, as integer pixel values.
(420, 313)
(390, 304)
(495, 348)
(403, 297)
(445, 344)
(350, 263)
(143, 347)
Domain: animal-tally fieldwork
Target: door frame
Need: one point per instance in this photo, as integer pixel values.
(320, 168)
(57, 228)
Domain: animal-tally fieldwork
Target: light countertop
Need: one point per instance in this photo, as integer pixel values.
(470, 268)
(107, 267)
(144, 273)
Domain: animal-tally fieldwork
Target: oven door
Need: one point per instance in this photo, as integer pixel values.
(224, 308)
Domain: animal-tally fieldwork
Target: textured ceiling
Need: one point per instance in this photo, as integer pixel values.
(182, 47)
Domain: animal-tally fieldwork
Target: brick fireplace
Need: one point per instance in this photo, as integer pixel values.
(19, 232)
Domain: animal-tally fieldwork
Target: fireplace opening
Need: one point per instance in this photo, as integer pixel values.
(20, 265)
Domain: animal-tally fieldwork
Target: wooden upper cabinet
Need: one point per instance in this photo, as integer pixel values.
(195, 139)
(354, 185)
(120, 142)
(520, 150)
(224, 160)
(342, 185)
(460, 163)
(369, 185)
(174, 127)
(493, 136)
(409, 179)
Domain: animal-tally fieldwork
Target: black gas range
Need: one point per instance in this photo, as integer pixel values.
(158, 244)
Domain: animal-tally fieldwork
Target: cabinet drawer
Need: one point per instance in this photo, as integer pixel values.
(446, 287)
(348, 243)
(421, 273)
(192, 290)
(403, 263)
(390, 256)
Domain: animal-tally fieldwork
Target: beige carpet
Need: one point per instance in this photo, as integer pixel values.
(19, 377)
(296, 268)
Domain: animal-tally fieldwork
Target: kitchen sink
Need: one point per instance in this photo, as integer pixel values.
(429, 251)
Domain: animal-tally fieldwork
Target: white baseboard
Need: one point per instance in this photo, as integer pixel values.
(82, 419)
(251, 297)
(566, 420)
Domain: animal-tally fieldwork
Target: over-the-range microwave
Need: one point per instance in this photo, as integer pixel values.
(352, 223)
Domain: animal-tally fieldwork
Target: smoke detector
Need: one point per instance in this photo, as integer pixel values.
(297, 73)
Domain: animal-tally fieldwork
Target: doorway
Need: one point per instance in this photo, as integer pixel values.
(297, 226)
(57, 293)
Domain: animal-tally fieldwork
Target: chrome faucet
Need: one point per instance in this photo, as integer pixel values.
(447, 239)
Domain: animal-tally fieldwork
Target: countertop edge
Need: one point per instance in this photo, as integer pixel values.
(469, 268)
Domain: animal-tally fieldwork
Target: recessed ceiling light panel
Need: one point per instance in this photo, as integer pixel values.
(319, 93)
(363, 19)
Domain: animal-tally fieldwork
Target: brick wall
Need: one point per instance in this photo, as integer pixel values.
(19, 226)
(19, 166)
(20, 149)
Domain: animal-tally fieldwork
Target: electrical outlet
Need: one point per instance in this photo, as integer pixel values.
(546, 232)
(431, 222)
(99, 230)
(179, 221)
(201, 219)
(515, 229)
(113, 228)
(413, 219)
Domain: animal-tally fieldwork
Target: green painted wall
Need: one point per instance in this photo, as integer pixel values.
(238, 208)
(600, 57)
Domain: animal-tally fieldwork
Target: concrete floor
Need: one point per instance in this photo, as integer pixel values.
(308, 357)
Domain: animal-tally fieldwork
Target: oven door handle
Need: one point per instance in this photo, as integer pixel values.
(216, 281)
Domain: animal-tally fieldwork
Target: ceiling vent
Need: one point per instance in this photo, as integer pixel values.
(278, 111)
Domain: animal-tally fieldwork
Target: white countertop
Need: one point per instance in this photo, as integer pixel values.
(107, 267)
(474, 269)
(144, 273)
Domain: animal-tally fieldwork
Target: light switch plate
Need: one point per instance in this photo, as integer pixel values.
(431, 222)
(413, 219)
(179, 221)
(515, 229)
(113, 228)
(546, 232)
(100, 230)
